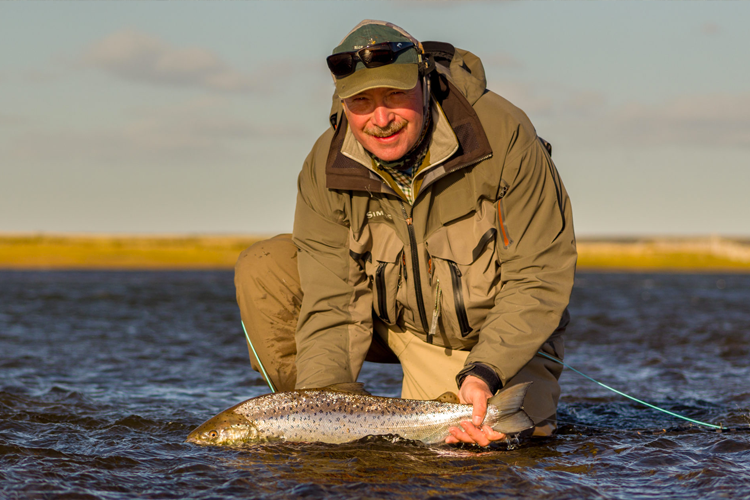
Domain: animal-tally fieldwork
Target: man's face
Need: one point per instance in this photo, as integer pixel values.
(387, 122)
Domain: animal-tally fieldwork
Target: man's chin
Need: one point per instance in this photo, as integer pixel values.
(387, 152)
(387, 157)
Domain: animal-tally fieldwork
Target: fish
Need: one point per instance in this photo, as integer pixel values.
(345, 412)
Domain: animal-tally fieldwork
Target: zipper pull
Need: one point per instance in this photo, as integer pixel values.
(455, 268)
(435, 313)
(404, 274)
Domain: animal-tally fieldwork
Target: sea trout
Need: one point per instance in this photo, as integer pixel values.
(337, 415)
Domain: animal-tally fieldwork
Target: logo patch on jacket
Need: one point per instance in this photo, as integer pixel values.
(378, 213)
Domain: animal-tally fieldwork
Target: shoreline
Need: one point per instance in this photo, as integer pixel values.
(129, 252)
(124, 252)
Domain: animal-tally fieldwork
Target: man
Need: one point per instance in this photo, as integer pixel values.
(431, 229)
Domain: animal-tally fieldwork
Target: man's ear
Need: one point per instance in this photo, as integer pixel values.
(337, 110)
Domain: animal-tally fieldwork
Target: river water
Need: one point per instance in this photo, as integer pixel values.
(103, 374)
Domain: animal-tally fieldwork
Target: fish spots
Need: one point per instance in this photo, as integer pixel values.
(340, 417)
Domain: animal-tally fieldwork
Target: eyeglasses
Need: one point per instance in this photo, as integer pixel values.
(374, 56)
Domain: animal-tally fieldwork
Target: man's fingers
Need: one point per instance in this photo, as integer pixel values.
(460, 434)
(474, 391)
(477, 435)
(492, 434)
(467, 433)
(479, 411)
(455, 436)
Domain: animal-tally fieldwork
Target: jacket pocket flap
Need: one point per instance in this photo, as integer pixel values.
(464, 241)
(386, 245)
(455, 203)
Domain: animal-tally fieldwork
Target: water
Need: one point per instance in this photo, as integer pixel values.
(103, 374)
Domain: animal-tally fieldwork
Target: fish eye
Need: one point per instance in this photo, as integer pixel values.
(213, 434)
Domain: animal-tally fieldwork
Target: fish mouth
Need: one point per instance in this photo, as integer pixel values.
(199, 435)
(192, 438)
(227, 427)
(210, 431)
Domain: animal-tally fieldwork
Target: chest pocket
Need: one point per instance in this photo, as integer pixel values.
(381, 252)
(464, 273)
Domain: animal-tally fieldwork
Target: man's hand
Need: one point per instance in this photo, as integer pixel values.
(474, 391)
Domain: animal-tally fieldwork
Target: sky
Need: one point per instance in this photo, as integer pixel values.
(196, 117)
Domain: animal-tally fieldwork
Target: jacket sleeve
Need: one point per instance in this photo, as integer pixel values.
(537, 254)
(335, 324)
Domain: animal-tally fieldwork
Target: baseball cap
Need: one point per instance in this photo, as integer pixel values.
(402, 73)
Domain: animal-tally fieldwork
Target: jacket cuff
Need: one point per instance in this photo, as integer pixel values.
(483, 372)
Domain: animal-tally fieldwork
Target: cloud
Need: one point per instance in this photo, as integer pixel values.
(11, 121)
(581, 103)
(708, 120)
(710, 28)
(39, 76)
(549, 100)
(140, 57)
(501, 60)
(199, 132)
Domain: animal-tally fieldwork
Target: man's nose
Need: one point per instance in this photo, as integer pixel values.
(382, 116)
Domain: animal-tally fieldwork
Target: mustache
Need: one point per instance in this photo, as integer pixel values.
(392, 128)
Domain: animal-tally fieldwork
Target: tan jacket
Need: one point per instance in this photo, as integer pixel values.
(487, 250)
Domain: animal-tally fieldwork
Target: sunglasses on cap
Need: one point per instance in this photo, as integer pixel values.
(344, 63)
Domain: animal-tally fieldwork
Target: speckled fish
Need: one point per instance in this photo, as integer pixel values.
(345, 412)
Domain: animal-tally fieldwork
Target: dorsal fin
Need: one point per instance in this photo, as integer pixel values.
(448, 397)
(349, 387)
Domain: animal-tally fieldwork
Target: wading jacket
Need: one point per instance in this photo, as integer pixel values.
(486, 252)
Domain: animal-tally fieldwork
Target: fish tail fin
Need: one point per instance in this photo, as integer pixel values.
(509, 403)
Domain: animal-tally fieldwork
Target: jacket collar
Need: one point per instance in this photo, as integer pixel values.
(344, 172)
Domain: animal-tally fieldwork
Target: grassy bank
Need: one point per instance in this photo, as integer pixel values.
(49, 251)
(121, 252)
(665, 254)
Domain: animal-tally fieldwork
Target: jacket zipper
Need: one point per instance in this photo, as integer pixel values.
(380, 286)
(415, 257)
(415, 266)
(458, 298)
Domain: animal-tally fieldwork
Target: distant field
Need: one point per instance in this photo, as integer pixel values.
(121, 252)
(49, 251)
(666, 254)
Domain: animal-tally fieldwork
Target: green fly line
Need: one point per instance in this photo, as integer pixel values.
(265, 375)
(719, 427)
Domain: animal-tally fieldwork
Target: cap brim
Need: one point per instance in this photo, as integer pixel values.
(394, 76)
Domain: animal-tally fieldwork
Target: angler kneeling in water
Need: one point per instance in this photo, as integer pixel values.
(431, 229)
